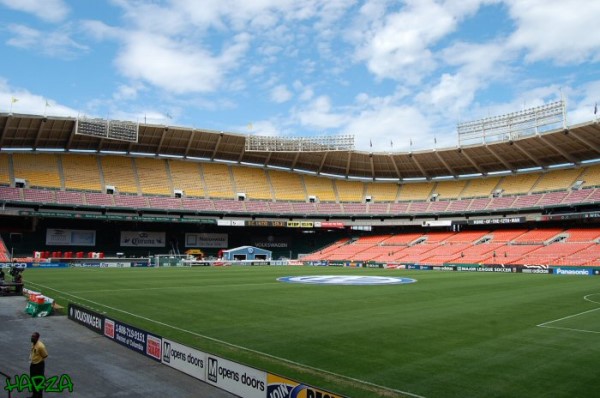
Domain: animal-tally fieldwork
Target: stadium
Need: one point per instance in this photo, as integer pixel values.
(517, 198)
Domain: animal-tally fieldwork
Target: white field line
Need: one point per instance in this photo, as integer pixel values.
(545, 324)
(234, 345)
(166, 287)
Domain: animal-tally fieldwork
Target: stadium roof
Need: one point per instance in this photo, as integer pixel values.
(574, 145)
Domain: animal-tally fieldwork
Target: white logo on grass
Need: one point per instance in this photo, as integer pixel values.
(346, 280)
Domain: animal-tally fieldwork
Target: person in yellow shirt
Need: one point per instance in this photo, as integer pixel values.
(37, 357)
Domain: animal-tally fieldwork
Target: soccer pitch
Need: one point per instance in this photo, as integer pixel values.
(450, 334)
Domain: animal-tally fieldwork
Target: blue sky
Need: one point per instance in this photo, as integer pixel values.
(387, 72)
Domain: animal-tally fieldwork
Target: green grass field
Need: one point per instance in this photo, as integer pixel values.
(447, 335)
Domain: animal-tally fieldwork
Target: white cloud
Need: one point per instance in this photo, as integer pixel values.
(177, 66)
(319, 115)
(263, 127)
(280, 94)
(478, 66)
(57, 44)
(398, 48)
(47, 10)
(384, 125)
(29, 103)
(563, 31)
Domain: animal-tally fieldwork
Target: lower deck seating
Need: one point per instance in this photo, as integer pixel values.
(475, 247)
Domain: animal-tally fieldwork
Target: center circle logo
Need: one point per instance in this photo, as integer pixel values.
(346, 280)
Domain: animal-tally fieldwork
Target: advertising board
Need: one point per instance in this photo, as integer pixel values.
(205, 240)
(573, 271)
(133, 338)
(142, 239)
(185, 359)
(88, 318)
(236, 378)
(70, 237)
(279, 387)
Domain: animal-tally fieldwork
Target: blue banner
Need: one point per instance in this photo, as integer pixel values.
(133, 338)
(573, 271)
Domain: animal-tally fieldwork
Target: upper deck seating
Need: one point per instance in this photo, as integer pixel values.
(4, 169)
(480, 187)
(449, 189)
(415, 191)
(287, 186)
(81, 173)
(382, 192)
(186, 177)
(153, 177)
(40, 169)
(320, 187)
(252, 182)
(557, 179)
(350, 191)
(118, 172)
(518, 184)
(591, 176)
(218, 181)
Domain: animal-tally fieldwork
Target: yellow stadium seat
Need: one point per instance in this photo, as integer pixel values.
(449, 189)
(320, 187)
(153, 177)
(518, 184)
(40, 169)
(186, 176)
(218, 181)
(480, 187)
(81, 173)
(251, 181)
(118, 172)
(557, 180)
(382, 191)
(350, 191)
(591, 176)
(4, 169)
(416, 191)
(287, 186)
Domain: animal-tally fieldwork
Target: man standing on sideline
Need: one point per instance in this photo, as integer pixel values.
(37, 358)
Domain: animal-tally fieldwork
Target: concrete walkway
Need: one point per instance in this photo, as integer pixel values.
(98, 367)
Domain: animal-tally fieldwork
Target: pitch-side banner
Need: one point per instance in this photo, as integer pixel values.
(88, 318)
(185, 359)
(238, 379)
(133, 338)
(143, 239)
(280, 387)
(70, 237)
